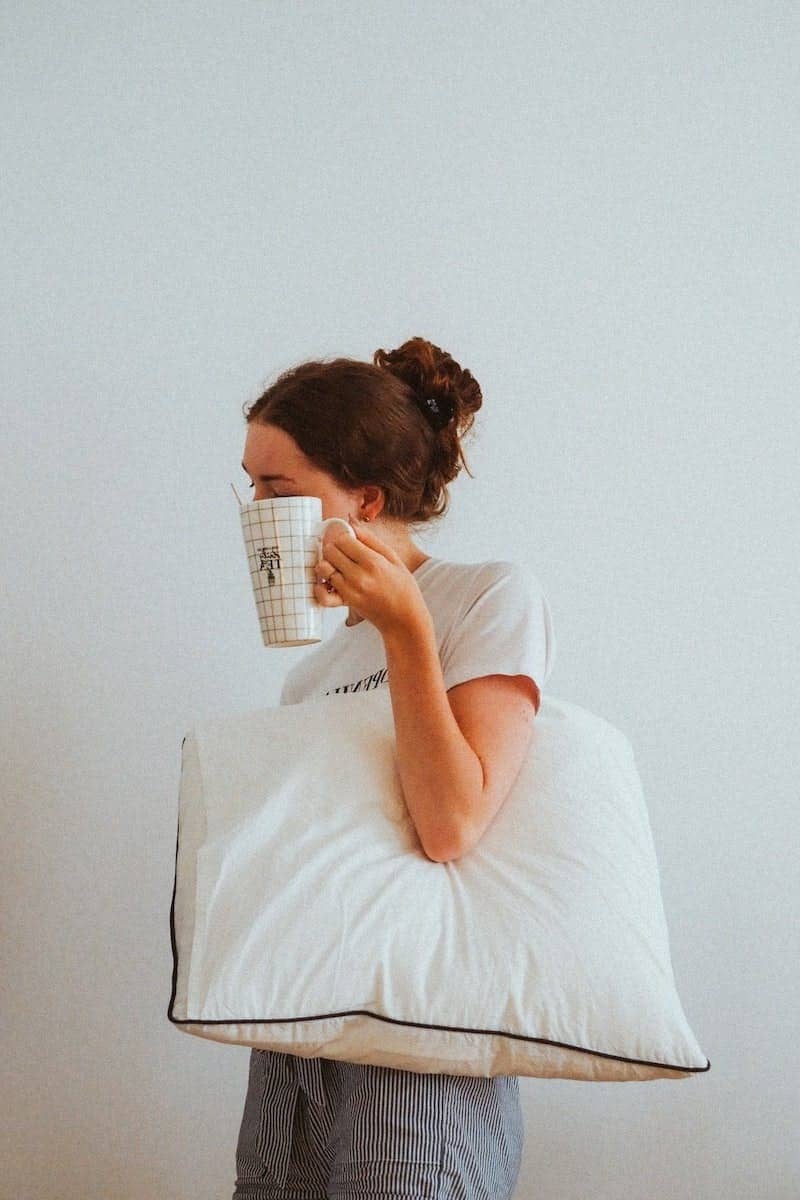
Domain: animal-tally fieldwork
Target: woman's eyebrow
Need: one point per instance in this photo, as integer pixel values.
(268, 478)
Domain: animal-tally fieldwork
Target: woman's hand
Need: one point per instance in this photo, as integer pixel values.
(369, 577)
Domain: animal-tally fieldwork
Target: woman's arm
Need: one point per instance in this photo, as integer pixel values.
(458, 752)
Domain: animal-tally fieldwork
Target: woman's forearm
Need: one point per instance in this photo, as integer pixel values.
(441, 776)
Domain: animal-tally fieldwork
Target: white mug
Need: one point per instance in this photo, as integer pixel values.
(283, 540)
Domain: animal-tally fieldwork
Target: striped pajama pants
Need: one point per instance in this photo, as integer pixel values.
(315, 1128)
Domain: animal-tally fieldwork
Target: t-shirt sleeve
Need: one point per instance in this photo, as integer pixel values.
(504, 628)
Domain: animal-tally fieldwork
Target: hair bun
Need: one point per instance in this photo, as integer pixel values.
(441, 388)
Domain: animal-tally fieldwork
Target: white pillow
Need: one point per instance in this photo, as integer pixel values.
(306, 917)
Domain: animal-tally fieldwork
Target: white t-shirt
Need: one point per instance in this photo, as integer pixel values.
(490, 618)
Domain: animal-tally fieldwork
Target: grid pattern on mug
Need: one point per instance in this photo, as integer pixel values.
(273, 535)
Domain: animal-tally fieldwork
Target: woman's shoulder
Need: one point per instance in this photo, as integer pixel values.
(497, 621)
(477, 576)
(455, 591)
(488, 568)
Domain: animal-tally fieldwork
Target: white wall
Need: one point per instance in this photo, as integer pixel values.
(593, 206)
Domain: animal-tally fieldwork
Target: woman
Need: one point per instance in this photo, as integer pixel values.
(464, 649)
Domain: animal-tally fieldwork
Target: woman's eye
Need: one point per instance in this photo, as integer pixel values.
(275, 495)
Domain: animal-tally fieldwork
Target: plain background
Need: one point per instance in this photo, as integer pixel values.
(594, 207)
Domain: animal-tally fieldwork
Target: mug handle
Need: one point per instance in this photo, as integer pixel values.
(319, 533)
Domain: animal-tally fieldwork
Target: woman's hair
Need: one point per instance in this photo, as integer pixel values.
(365, 423)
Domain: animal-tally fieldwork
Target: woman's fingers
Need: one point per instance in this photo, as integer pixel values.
(325, 588)
(328, 598)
